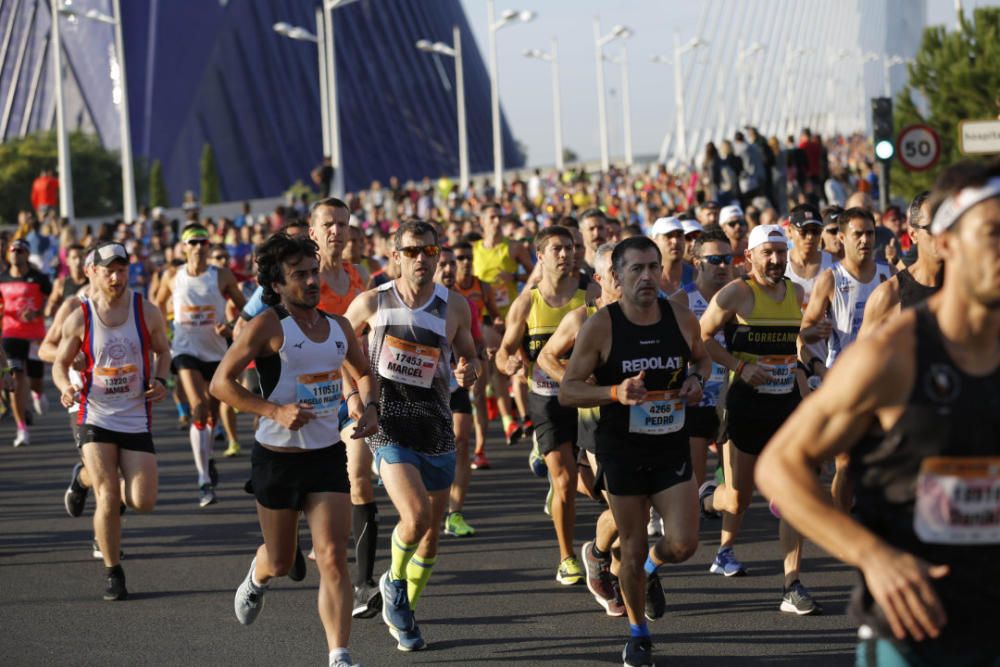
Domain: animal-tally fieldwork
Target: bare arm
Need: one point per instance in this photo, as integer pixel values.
(882, 303)
(159, 343)
(69, 347)
(690, 328)
(721, 310)
(588, 353)
(490, 301)
(552, 356)
(163, 295)
(468, 368)
(58, 288)
(816, 326)
(508, 359)
(49, 348)
(231, 289)
(363, 410)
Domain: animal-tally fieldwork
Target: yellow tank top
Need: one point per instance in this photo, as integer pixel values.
(590, 414)
(488, 264)
(542, 322)
(767, 337)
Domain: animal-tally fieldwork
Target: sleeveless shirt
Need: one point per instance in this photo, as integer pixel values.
(847, 306)
(489, 263)
(198, 307)
(713, 384)
(542, 322)
(911, 292)
(336, 304)
(767, 337)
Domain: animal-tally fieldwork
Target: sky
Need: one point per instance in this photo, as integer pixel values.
(526, 84)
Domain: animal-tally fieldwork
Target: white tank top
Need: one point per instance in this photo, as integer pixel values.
(74, 375)
(713, 383)
(304, 372)
(847, 306)
(826, 261)
(198, 307)
(117, 372)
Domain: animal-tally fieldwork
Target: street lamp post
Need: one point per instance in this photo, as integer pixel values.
(742, 57)
(508, 16)
(617, 32)
(626, 106)
(463, 141)
(679, 111)
(302, 35)
(66, 209)
(553, 57)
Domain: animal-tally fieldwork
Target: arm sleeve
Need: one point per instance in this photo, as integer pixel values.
(255, 305)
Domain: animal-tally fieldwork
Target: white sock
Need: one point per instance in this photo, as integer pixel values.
(206, 449)
(200, 461)
(340, 653)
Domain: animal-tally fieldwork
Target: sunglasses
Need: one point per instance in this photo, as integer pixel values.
(921, 228)
(737, 223)
(463, 258)
(220, 258)
(196, 242)
(831, 230)
(412, 251)
(811, 230)
(718, 260)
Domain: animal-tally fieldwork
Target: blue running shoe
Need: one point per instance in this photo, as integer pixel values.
(726, 563)
(396, 610)
(408, 640)
(536, 461)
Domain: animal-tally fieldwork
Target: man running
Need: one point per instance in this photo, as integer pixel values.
(72, 282)
(534, 317)
(915, 283)
(593, 229)
(415, 324)
(600, 561)
(198, 293)
(925, 533)
(299, 463)
(668, 234)
(638, 351)
(124, 341)
(807, 260)
(765, 311)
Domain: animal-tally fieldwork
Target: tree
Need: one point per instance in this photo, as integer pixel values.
(157, 186)
(96, 171)
(209, 176)
(958, 74)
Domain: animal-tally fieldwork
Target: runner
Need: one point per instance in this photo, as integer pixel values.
(765, 385)
(299, 463)
(668, 234)
(735, 226)
(123, 338)
(837, 307)
(918, 281)
(23, 291)
(198, 293)
(831, 231)
(534, 316)
(642, 449)
(806, 259)
(218, 257)
(601, 562)
(925, 533)
(415, 325)
(593, 228)
(72, 282)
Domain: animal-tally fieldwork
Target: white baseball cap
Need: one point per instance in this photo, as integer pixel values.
(731, 212)
(666, 226)
(766, 234)
(691, 226)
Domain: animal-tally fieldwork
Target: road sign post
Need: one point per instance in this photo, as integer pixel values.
(979, 137)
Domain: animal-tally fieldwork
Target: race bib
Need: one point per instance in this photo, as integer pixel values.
(408, 363)
(117, 383)
(782, 380)
(660, 414)
(322, 391)
(958, 500)
(197, 316)
(502, 296)
(542, 384)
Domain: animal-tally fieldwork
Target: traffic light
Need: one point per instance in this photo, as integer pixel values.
(885, 147)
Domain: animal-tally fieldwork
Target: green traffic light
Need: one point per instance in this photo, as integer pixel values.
(884, 150)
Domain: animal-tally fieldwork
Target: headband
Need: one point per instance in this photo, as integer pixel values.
(953, 208)
(195, 233)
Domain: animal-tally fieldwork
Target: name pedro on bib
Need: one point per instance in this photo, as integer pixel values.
(408, 363)
(662, 412)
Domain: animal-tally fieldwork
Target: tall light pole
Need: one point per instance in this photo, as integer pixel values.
(600, 41)
(887, 63)
(129, 212)
(456, 53)
(508, 16)
(66, 209)
(742, 57)
(553, 57)
(301, 34)
(626, 107)
(679, 111)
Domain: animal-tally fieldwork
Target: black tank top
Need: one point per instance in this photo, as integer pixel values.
(661, 351)
(71, 287)
(933, 482)
(911, 292)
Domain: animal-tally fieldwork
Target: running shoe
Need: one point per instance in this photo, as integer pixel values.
(616, 606)
(638, 652)
(22, 437)
(727, 564)
(40, 402)
(491, 408)
(396, 610)
(298, 571)
(598, 575)
(775, 512)
(344, 662)
(569, 571)
(656, 602)
(513, 433)
(367, 600)
(527, 428)
(720, 475)
(536, 461)
(408, 640)
(249, 598)
(213, 472)
(76, 494)
(234, 449)
(797, 600)
(454, 524)
(655, 526)
(206, 495)
(480, 462)
(704, 492)
(219, 434)
(115, 589)
(96, 551)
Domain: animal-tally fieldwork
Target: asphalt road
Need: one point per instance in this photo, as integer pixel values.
(493, 598)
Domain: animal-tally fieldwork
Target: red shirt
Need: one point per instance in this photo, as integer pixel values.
(19, 295)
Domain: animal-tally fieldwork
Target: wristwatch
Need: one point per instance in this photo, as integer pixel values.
(695, 374)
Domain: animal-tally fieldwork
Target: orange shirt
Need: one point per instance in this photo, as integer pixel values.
(336, 304)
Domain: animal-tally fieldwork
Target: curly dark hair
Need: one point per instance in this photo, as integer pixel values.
(274, 252)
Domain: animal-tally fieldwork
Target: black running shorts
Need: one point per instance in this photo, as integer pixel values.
(136, 442)
(22, 357)
(460, 402)
(642, 472)
(206, 368)
(283, 480)
(702, 422)
(752, 420)
(586, 429)
(554, 424)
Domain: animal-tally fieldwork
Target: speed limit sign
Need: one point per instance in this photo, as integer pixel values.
(918, 147)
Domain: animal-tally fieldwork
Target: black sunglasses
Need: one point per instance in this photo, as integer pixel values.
(740, 222)
(220, 258)
(810, 230)
(196, 242)
(831, 230)
(412, 251)
(718, 260)
(463, 258)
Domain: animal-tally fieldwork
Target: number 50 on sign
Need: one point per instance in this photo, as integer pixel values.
(918, 147)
